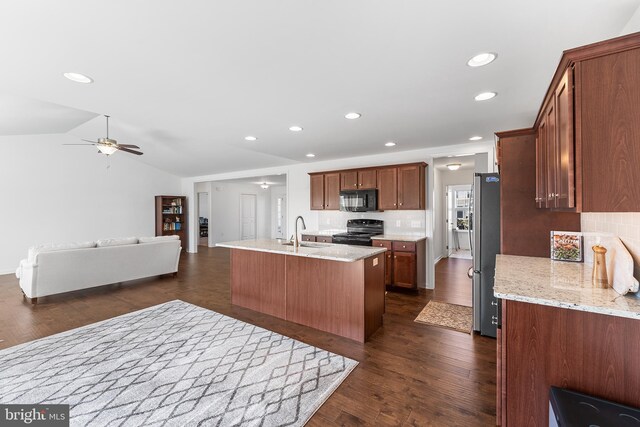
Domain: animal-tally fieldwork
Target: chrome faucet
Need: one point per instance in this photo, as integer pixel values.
(296, 242)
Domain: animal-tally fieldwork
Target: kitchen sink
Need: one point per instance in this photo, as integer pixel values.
(305, 244)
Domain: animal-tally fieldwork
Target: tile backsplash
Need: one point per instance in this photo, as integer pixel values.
(625, 225)
(395, 222)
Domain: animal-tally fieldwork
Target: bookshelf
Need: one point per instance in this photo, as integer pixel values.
(171, 217)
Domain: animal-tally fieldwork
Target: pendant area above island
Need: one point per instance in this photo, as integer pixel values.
(334, 288)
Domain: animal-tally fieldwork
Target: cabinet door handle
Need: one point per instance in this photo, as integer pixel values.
(494, 302)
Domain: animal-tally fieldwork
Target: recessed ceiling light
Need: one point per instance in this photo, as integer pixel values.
(454, 166)
(295, 129)
(250, 138)
(475, 138)
(482, 59)
(485, 96)
(78, 78)
(389, 144)
(352, 116)
(311, 155)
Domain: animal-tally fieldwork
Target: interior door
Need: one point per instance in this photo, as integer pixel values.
(247, 216)
(281, 217)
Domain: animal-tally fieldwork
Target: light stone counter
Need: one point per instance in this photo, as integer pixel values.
(401, 237)
(558, 284)
(328, 251)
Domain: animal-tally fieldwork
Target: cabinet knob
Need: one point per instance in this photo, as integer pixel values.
(404, 247)
(400, 204)
(395, 257)
(394, 204)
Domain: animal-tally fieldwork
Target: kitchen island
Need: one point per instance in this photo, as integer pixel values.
(558, 330)
(334, 288)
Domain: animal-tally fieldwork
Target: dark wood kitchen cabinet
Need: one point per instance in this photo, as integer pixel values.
(365, 179)
(388, 189)
(332, 191)
(404, 263)
(325, 191)
(555, 182)
(399, 186)
(411, 187)
(539, 346)
(587, 130)
(317, 192)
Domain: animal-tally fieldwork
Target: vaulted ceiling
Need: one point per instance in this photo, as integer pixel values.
(187, 81)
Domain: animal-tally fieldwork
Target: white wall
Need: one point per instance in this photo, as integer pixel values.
(224, 224)
(53, 193)
(633, 25)
(442, 179)
(298, 184)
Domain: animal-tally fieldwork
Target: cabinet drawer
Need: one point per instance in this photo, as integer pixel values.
(308, 238)
(382, 244)
(404, 246)
(324, 239)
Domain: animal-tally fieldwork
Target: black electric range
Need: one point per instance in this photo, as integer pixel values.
(359, 232)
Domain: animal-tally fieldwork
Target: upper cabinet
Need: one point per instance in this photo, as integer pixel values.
(411, 187)
(325, 191)
(387, 189)
(399, 186)
(587, 131)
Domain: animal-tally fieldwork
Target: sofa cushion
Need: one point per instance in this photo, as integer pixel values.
(117, 242)
(157, 239)
(52, 247)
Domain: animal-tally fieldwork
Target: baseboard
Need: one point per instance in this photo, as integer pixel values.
(9, 271)
(437, 260)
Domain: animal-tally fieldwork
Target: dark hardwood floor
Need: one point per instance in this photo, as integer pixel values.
(409, 373)
(452, 283)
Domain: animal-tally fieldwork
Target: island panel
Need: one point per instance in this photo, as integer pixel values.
(327, 295)
(374, 290)
(258, 281)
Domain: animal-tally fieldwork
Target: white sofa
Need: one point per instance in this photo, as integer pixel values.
(54, 269)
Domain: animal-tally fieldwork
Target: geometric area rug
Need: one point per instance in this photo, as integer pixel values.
(173, 364)
(451, 316)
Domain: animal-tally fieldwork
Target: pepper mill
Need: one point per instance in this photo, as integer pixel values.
(599, 278)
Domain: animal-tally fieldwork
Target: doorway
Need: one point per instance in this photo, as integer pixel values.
(203, 219)
(457, 221)
(247, 216)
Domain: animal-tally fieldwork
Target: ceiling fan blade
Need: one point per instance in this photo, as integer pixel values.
(128, 146)
(80, 144)
(121, 148)
(88, 140)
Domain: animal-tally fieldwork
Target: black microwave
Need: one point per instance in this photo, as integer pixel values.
(359, 200)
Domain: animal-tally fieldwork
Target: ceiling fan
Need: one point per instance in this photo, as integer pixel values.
(109, 146)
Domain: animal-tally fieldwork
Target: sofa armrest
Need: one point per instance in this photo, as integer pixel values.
(28, 272)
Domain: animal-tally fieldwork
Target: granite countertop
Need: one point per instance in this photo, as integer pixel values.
(558, 284)
(401, 237)
(328, 251)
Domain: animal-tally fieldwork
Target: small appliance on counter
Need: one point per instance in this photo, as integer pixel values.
(360, 231)
(359, 200)
(485, 244)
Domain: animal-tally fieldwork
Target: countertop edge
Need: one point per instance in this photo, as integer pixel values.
(568, 305)
(325, 257)
(400, 238)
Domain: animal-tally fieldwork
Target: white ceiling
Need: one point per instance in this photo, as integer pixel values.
(466, 162)
(258, 180)
(188, 80)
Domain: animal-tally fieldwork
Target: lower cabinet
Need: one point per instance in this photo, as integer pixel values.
(404, 263)
(313, 238)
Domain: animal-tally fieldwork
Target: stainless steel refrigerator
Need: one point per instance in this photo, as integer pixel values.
(485, 244)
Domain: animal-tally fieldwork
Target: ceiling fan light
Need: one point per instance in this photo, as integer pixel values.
(106, 149)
